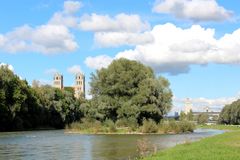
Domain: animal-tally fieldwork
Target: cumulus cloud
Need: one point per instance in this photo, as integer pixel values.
(116, 31)
(67, 17)
(71, 7)
(114, 39)
(50, 38)
(98, 62)
(74, 69)
(174, 49)
(10, 67)
(195, 10)
(119, 23)
(47, 39)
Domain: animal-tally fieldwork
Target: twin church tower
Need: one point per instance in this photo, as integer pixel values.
(79, 86)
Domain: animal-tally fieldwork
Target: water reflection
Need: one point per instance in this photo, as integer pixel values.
(57, 145)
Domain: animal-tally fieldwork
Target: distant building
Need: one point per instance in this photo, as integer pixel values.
(187, 106)
(79, 88)
(58, 81)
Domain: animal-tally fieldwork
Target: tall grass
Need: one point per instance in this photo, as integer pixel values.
(148, 126)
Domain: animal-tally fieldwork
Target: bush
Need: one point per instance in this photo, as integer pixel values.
(130, 122)
(110, 125)
(176, 127)
(149, 126)
(186, 126)
(88, 125)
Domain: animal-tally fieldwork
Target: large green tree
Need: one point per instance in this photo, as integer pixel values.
(230, 114)
(128, 89)
(18, 103)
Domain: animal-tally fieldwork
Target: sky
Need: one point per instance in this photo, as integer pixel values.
(195, 44)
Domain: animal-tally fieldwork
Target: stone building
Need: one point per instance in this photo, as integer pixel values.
(58, 81)
(79, 88)
(187, 106)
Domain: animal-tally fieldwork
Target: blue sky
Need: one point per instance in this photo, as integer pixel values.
(195, 44)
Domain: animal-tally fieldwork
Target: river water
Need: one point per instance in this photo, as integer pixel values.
(56, 144)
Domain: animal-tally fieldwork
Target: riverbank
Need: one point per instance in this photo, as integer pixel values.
(148, 127)
(225, 146)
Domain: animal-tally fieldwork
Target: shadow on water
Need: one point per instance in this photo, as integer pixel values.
(57, 145)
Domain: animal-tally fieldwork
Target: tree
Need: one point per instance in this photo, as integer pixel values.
(18, 103)
(202, 118)
(190, 115)
(230, 114)
(128, 89)
(23, 107)
(182, 116)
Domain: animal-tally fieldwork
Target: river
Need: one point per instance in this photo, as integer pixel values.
(56, 144)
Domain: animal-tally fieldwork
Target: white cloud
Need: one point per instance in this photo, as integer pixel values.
(196, 10)
(114, 39)
(51, 71)
(71, 7)
(116, 31)
(98, 62)
(48, 39)
(51, 38)
(175, 49)
(74, 69)
(67, 17)
(10, 67)
(120, 23)
(60, 18)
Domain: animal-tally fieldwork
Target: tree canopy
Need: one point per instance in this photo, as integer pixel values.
(230, 114)
(24, 107)
(128, 89)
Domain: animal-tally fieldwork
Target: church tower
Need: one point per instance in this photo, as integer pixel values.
(79, 88)
(58, 81)
(187, 106)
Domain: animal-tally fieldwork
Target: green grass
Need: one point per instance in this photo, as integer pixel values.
(220, 127)
(220, 147)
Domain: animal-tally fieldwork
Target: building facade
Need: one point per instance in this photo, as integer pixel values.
(79, 88)
(187, 106)
(58, 81)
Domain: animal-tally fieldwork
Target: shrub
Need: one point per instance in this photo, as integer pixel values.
(130, 122)
(186, 126)
(149, 126)
(110, 125)
(176, 127)
(145, 147)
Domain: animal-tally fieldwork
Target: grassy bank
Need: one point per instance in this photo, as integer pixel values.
(148, 126)
(221, 147)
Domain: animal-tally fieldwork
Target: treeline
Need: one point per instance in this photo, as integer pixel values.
(126, 93)
(23, 107)
(230, 114)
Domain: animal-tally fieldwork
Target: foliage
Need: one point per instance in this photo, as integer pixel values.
(24, 107)
(188, 116)
(145, 147)
(128, 89)
(149, 126)
(202, 118)
(183, 116)
(176, 126)
(230, 114)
